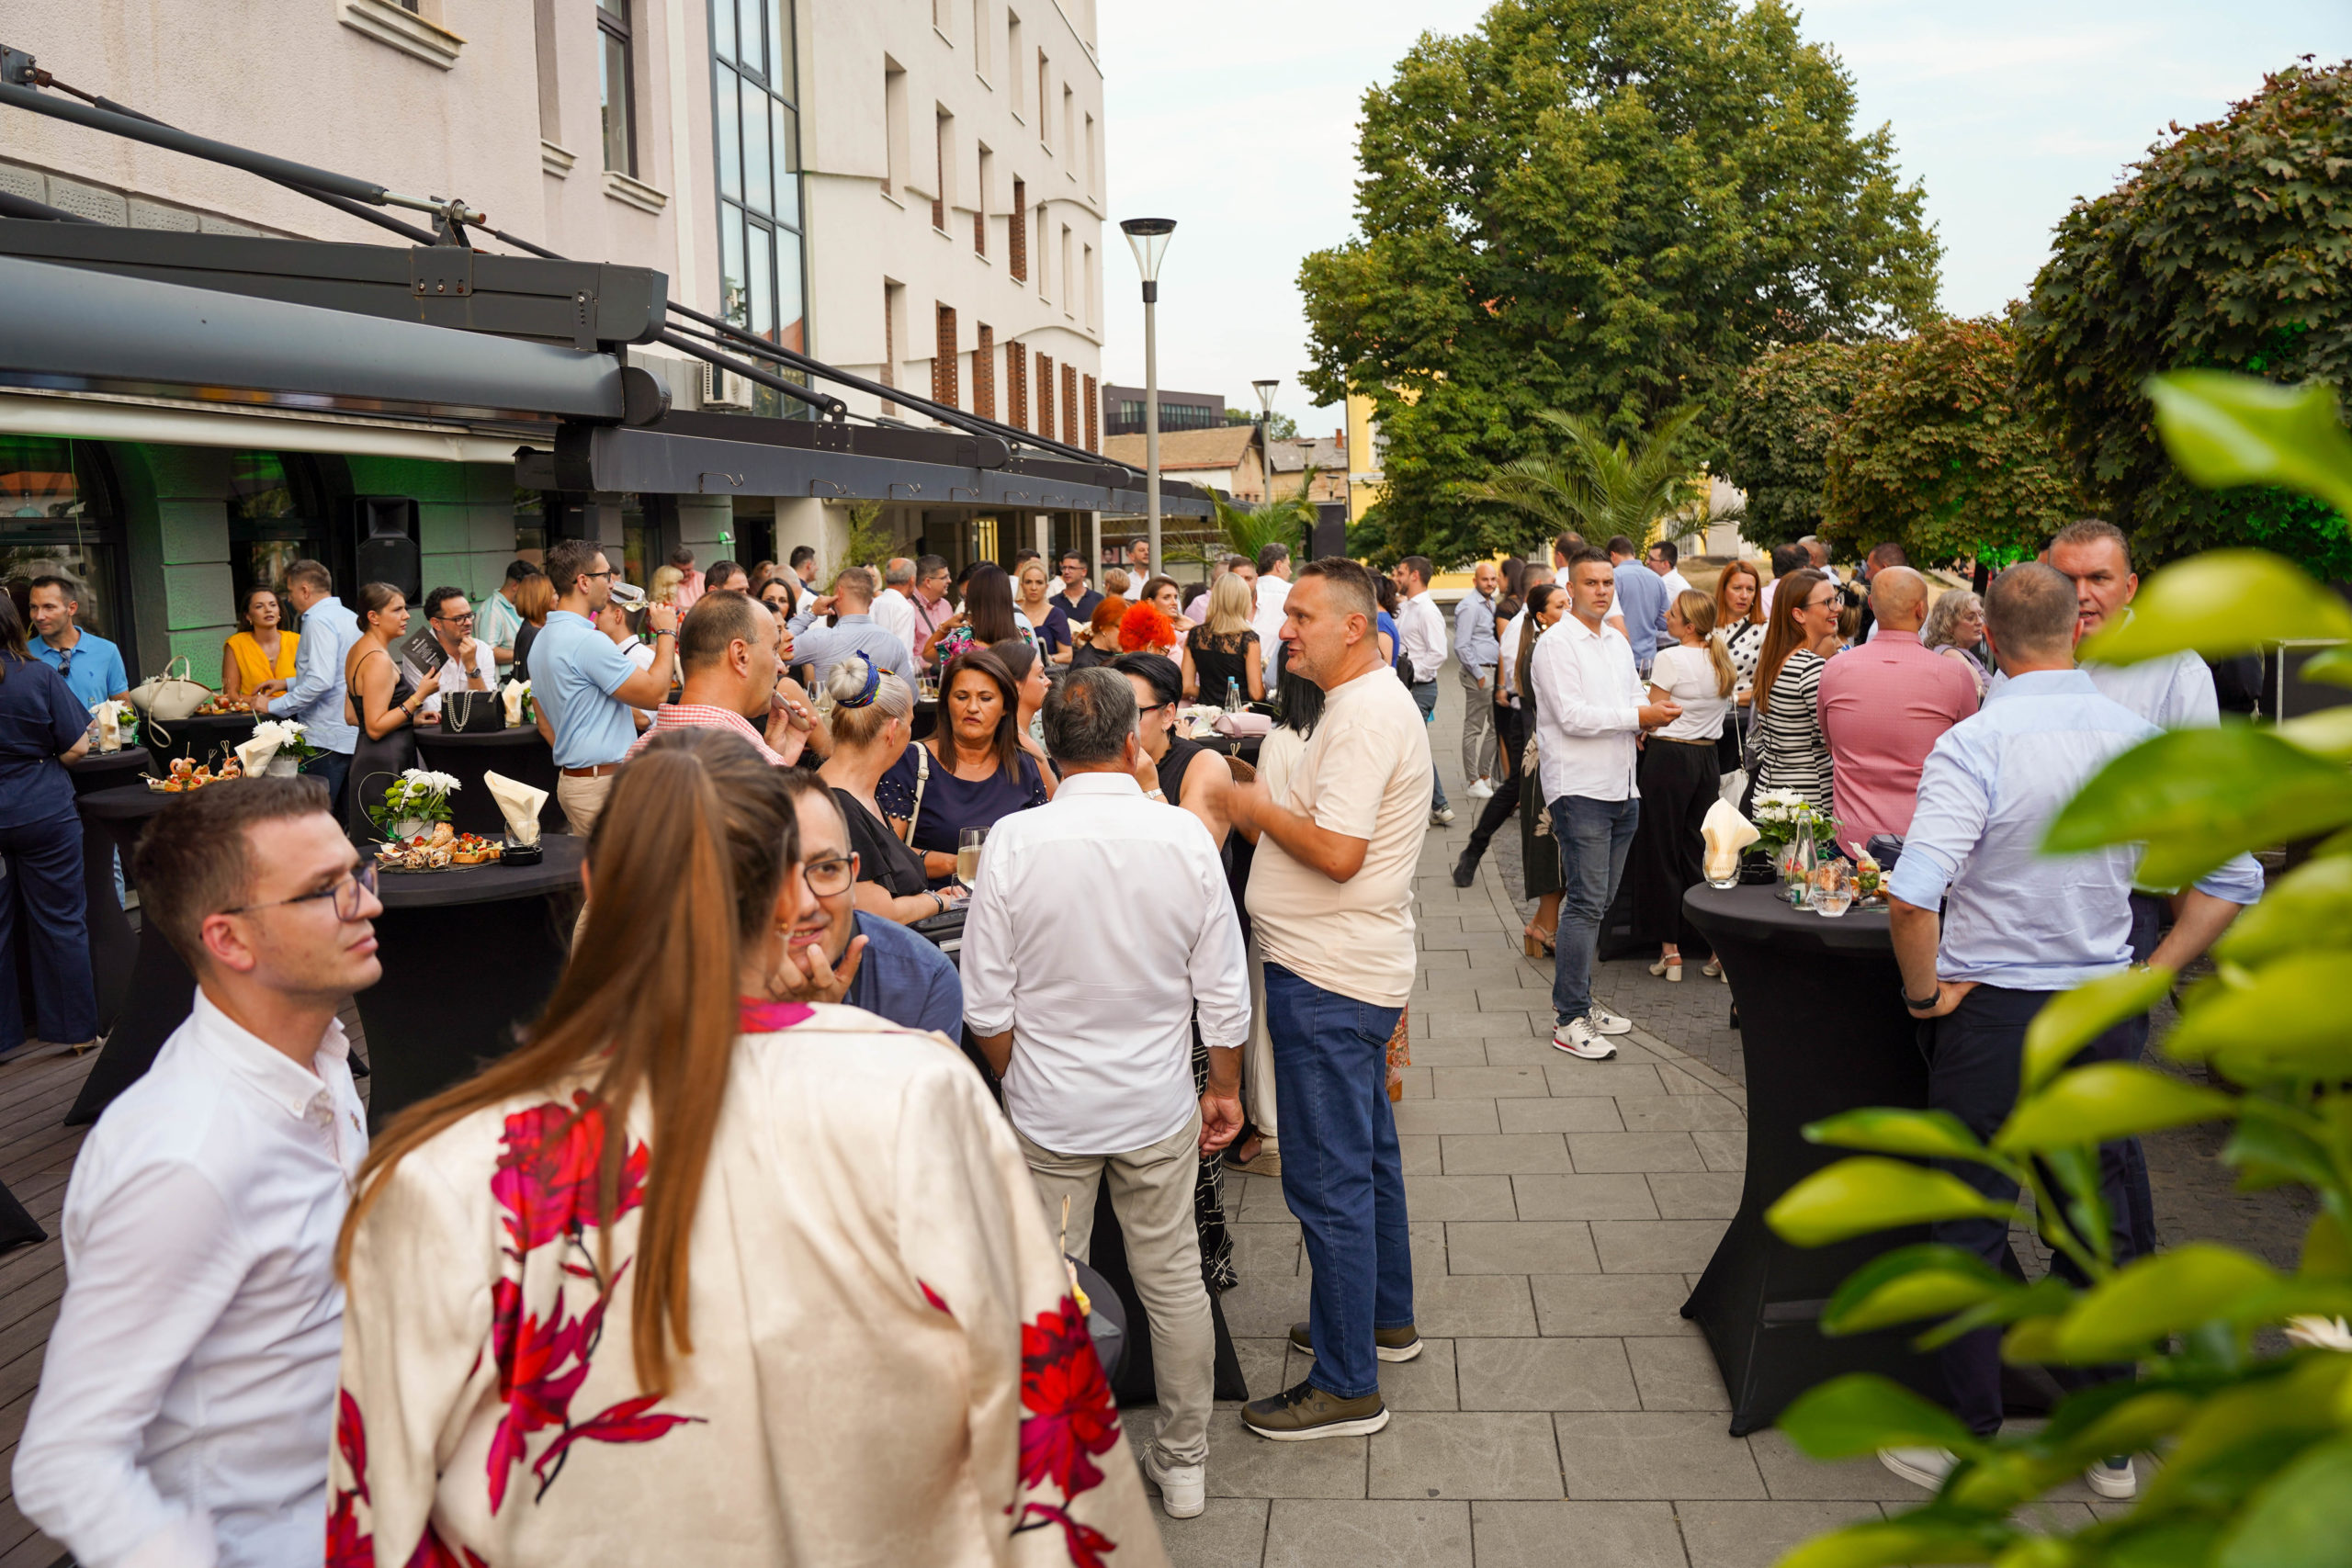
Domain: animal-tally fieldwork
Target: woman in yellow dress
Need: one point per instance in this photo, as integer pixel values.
(258, 660)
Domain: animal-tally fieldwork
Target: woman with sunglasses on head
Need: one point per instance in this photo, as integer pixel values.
(689, 1277)
(1792, 756)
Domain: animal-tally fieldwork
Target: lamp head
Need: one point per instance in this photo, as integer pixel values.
(1265, 390)
(1148, 237)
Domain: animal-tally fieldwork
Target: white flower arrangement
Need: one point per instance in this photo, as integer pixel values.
(1781, 813)
(419, 796)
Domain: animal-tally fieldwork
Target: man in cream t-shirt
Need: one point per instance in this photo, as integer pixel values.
(1331, 900)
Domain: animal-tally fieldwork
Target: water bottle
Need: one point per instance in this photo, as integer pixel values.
(1232, 694)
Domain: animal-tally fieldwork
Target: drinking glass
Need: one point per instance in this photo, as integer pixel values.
(1833, 888)
(968, 854)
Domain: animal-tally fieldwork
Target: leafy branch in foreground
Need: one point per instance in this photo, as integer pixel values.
(2256, 1447)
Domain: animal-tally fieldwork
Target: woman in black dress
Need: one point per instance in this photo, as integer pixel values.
(1225, 649)
(379, 700)
(873, 716)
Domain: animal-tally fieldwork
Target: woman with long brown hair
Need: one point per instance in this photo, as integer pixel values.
(694, 1279)
(971, 772)
(1792, 755)
(257, 660)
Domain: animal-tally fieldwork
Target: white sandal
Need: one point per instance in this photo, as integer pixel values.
(1669, 967)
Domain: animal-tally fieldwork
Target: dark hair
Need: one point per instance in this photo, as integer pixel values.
(1782, 637)
(1269, 554)
(1621, 546)
(1419, 567)
(926, 565)
(2029, 609)
(1787, 558)
(1143, 539)
(1539, 599)
(65, 585)
(1089, 715)
(1384, 593)
(1567, 544)
(1006, 744)
(1151, 587)
(12, 632)
(245, 606)
(1023, 557)
(519, 570)
(1018, 656)
(1159, 672)
(1666, 548)
(568, 561)
(438, 597)
(195, 860)
(682, 557)
(373, 599)
(720, 570)
(1888, 553)
(716, 621)
(1300, 699)
(781, 586)
(800, 553)
(856, 582)
(1071, 556)
(311, 575)
(1586, 554)
(987, 600)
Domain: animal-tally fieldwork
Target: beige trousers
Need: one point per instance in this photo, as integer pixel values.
(1151, 1190)
(582, 800)
(1257, 1059)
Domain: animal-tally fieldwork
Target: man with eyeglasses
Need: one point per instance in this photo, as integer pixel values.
(186, 1408)
(870, 960)
(586, 686)
(443, 655)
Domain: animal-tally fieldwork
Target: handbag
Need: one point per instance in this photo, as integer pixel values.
(171, 696)
(472, 712)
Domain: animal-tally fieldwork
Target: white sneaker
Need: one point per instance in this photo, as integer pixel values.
(2114, 1479)
(1184, 1488)
(1921, 1467)
(1440, 816)
(1481, 790)
(1607, 1022)
(1578, 1038)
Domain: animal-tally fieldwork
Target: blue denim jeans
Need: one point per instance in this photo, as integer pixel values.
(1342, 1175)
(1594, 837)
(1425, 698)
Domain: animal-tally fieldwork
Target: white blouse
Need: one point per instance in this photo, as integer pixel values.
(1688, 675)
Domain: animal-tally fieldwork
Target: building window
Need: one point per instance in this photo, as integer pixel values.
(1069, 405)
(984, 372)
(980, 204)
(1093, 420)
(1046, 396)
(1092, 289)
(618, 93)
(59, 518)
(1016, 384)
(1012, 61)
(1044, 290)
(942, 361)
(1044, 98)
(763, 278)
(1092, 185)
(890, 297)
(981, 38)
(940, 131)
(1016, 238)
(1069, 304)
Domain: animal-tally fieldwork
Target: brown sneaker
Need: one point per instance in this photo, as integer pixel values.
(1389, 1344)
(1305, 1411)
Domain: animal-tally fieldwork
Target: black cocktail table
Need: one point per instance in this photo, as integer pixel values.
(1822, 1029)
(153, 997)
(114, 946)
(518, 752)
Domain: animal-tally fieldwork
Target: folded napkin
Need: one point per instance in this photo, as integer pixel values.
(1727, 833)
(270, 737)
(512, 694)
(519, 804)
(108, 715)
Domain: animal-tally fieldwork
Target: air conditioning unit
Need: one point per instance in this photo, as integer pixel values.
(724, 389)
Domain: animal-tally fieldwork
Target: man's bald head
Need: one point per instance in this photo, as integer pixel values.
(1899, 598)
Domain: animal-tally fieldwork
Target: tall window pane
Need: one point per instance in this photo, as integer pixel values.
(786, 127)
(613, 89)
(732, 301)
(761, 280)
(792, 329)
(756, 186)
(748, 49)
(730, 138)
(780, 74)
(722, 30)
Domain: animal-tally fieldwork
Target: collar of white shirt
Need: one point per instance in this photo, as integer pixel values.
(277, 1077)
(1099, 784)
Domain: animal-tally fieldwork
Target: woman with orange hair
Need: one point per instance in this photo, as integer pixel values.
(1145, 628)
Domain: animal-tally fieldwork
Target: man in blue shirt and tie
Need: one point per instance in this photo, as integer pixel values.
(315, 699)
(92, 666)
(2019, 927)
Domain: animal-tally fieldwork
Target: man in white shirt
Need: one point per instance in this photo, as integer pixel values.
(2175, 692)
(185, 1414)
(1591, 715)
(1665, 559)
(457, 660)
(1331, 904)
(1420, 634)
(893, 607)
(501, 620)
(1098, 1065)
(1272, 587)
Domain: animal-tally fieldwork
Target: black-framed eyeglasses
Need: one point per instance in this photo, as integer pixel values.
(833, 875)
(345, 893)
(608, 571)
(457, 620)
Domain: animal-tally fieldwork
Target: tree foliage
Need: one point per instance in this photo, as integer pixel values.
(1280, 426)
(1783, 411)
(1941, 453)
(2227, 248)
(1606, 206)
(1593, 486)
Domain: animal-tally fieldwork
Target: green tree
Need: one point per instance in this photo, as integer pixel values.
(1784, 409)
(1606, 206)
(1942, 453)
(1279, 426)
(1593, 486)
(2225, 248)
(1245, 530)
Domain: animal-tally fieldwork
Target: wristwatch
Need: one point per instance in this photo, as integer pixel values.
(1919, 1004)
(1160, 795)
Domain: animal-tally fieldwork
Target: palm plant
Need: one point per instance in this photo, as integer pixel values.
(1245, 530)
(1594, 486)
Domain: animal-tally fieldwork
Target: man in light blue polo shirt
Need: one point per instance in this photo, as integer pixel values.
(315, 699)
(92, 666)
(1641, 600)
(2021, 927)
(584, 686)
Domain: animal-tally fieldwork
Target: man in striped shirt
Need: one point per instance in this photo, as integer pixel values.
(734, 679)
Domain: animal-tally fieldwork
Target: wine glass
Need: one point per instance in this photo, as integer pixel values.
(968, 854)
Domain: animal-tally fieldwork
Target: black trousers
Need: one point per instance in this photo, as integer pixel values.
(44, 862)
(1973, 1055)
(1678, 783)
(1503, 805)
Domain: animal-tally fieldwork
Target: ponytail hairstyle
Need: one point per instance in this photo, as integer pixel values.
(688, 857)
(1698, 613)
(372, 600)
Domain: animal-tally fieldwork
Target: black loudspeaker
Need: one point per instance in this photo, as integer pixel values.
(1330, 535)
(387, 549)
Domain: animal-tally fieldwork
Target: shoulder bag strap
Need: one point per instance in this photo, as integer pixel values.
(922, 777)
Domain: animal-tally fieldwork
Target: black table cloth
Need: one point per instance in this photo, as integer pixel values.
(114, 946)
(154, 998)
(468, 955)
(205, 741)
(1822, 1029)
(517, 752)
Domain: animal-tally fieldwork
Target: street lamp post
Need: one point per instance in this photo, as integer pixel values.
(1265, 390)
(1148, 237)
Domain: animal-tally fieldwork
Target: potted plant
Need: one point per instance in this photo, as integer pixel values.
(1792, 830)
(412, 802)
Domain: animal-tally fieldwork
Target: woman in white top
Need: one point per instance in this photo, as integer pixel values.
(1678, 780)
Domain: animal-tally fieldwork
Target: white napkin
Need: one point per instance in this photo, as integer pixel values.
(519, 804)
(1727, 833)
(108, 716)
(512, 694)
(269, 737)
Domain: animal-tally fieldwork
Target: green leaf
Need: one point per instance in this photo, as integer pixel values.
(2327, 1254)
(2047, 1298)
(1855, 1197)
(2166, 1543)
(1924, 1134)
(2226, 429)
(2154, 1297)
(2266, 1147)
(2220, 603)
(2303, 1519)
(2310, 906)
(1914, 1538)
(2199, 797)
(2133, 1421)
(2104, 1101)
(2285, 1022)
(2246, 1431)
(2328, 733)
(1862, 1412)
(1910, 1283)
(2032, 1341)
(2072, 1020)
(2333, 665)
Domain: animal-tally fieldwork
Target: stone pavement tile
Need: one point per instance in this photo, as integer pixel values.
(1416, 1082)
(1421, 1533)
(1598, 1153)
(2048, 1519)
(1459, 1198)
(1678, 1374)
(1449, 1053)
(1264, 1306)
(1545, 1374)
(1265, 1248)
(1230, 1533)
(1443, 959)
(1724, 1148)
(1591, 1113)
(1428, 937)
(1508, 1154)
(1446, 1116)
(1512, 1025)
(1243, 1464)
(1486, 1083)
(1696, 1195)
(1621, 1197)
(1645, 1454)
(1485, 1455)
(1263, 1362)
(1521, 1248)
(1679, 1112)
(1422, 1154)
(1608, 1303)
(1656, 1246)
(1457, 1305)
(1569, 1076)
(1753, 1535)
(1255, 1198)
(1789, 1474)
(1425, 1383)
(1680, 1082)
(1575, 1535)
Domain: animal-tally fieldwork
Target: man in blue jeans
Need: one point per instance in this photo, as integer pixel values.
(1592, 710)
(1330, 898)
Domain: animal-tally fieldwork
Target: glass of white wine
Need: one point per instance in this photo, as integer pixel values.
(968, 854)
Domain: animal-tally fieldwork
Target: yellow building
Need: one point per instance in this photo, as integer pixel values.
(1366, 446)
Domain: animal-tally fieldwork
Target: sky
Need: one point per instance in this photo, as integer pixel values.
(1237, 118)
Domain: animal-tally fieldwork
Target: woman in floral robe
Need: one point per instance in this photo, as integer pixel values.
(863, 1346)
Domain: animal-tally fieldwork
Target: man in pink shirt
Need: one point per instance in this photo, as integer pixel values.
(1885, 704)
